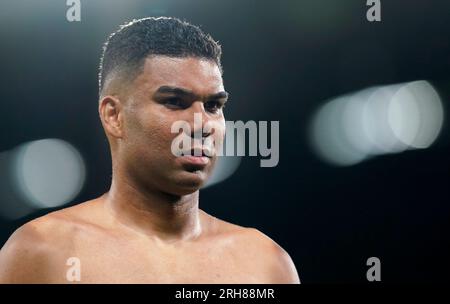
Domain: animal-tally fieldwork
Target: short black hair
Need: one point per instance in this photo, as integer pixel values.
(126, 49)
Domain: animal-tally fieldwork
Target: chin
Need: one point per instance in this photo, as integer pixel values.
(189, 182)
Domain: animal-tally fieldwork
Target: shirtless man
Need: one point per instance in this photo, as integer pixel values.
(148, 227)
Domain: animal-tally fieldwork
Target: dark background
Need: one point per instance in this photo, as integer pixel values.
(282, 59)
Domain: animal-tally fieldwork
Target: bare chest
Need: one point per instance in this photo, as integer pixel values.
(137, 262)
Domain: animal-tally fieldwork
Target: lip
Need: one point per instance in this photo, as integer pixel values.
(192, 162)
(195, 160)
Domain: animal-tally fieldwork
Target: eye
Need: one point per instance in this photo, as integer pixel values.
(174, 103)
(214, 106)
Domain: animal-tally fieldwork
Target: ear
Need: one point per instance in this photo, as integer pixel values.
(111, 115)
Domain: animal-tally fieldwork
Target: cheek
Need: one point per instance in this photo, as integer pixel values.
(151, 131)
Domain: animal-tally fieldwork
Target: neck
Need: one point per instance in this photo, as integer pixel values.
(158, 215)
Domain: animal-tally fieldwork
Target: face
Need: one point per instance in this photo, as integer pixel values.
(170, 90)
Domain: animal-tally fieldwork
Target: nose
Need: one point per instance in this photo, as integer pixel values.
(199, 121)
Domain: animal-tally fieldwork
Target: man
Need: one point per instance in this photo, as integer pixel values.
(148, 227)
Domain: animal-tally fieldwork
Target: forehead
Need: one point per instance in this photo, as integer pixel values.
(201, 76)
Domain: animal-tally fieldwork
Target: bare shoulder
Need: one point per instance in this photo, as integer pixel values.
(277, 260)
(31, 251)
(26, 256)
(258, 247)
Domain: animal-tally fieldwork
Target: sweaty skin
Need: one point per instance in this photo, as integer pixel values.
(148, 227)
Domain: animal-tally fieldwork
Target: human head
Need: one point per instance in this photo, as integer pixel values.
(140, 62)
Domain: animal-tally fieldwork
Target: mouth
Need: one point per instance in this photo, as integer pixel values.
(195, 159)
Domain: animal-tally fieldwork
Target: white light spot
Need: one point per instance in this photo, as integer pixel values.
(416, 114)
(50, 172)
(328, 137)
(374, 121)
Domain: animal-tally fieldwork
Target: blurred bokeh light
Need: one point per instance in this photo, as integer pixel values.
(44, 173)
(378, 120)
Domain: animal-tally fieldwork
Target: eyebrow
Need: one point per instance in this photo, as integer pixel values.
(188, 93)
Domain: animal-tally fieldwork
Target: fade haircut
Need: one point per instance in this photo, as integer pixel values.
(125, 50)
